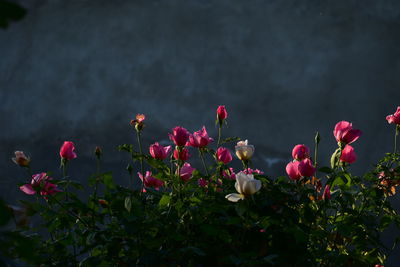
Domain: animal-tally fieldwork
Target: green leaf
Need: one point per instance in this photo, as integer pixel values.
(109, 181)
(128, 203)
(335, 158)
(164, 201)
(325, 169)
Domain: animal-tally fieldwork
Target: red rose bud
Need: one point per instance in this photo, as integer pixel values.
(292, 170)
(179, 136)
(221, 113)
(348, 154)
(306, 168)
(394, 118)
(20, 159)
(344, 132)
(327, 192)
(300, 152)
(98, 151)
(103, 202)
(67, 150)
(224, 155)
(159, 152)
(182, 155)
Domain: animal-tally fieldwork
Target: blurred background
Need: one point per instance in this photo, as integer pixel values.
(80, 70)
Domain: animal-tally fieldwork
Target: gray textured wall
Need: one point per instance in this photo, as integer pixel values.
(80, 70)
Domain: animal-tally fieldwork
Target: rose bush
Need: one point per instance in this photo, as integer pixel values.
(184, 215)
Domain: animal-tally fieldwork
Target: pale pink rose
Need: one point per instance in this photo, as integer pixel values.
(292, 170)
(186, 172)
(200, 138)
(345, 133)
(243, 150)
(394, 118)
(183, 155)
(300, 152)
(67, 150)
(179, 136)
(224, 155)
(40, 182)
(221, 113)
(150, 181)
(159, 152)
(306, 168)
(348, 154)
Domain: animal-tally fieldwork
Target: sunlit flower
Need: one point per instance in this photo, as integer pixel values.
(245, 185)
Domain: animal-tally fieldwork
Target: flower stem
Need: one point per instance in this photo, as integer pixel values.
(141, 158)
(395, 138)
(202, 160)
(219, 134)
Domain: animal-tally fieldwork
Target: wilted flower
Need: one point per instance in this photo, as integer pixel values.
(150, 181)
(244, 151)
(224, 155)
(229, 174)
(200, 138)
(182, 155)
(41, 183)
(159, 152)
(344, 132)
(20, 159)
(186, 172)
(67, 150)
(221, 113)
(245, 185)
(179, 136)
(394, 118)
(348, 154)
(300, 152)
(138, 122)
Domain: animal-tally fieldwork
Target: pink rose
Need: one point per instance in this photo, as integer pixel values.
(306, 168)
(186, 172)
(150, 181)
(224, 155)
(159, 152)
(20, 159)
(292, 170)
(221, 113)
(229, 174)
(179, 136)
(300, 152)
(200, 138)
(394, 118)
(67, 150)
(327, 192)
(345, 133)
(348, 154)
(40, 182)
(251, 171)
(183, 155)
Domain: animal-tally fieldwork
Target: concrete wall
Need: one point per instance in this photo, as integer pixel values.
(80, 70)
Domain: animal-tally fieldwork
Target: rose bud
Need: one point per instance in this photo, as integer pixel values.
(200, 138)
(348, 154)
(394, 118)
(103, 202)
(179, 136)
(221, 114)
(245, 185)
(344, 132)
(159, 152)
(244, 151)
(98, 151)
(20, 159)
(182, 155)
(67, 150)
(224, 155)
(327, 192)
(306, 168)
(186, 172)
(292, 170)
(300, 152)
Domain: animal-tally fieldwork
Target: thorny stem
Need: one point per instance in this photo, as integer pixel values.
(219, 134)
(202, 160)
